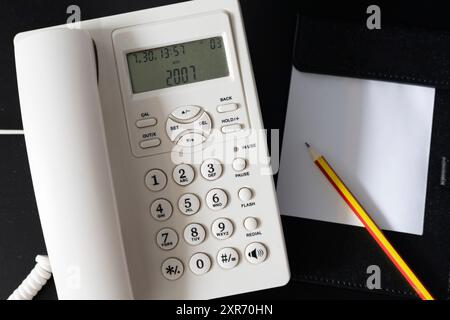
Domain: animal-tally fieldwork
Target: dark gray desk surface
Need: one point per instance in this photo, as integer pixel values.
(270, 29)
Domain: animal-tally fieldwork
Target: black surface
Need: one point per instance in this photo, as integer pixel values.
(270, 30)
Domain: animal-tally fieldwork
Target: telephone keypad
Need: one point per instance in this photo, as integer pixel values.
(161, 209)
(194, 234)
(167, 239)
(189, 204)
(216, 199)
(183, 174)
(200, 263)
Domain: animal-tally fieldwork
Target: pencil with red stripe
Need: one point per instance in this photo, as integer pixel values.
(370, 225)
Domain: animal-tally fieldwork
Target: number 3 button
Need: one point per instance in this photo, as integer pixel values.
(211, 169)
(156, 180)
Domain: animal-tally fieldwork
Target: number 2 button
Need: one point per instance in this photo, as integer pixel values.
(183, 174)
(156, 180)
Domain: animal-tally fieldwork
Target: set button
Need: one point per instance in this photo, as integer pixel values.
(194, 234)
(189, 204)
(211, 169)
(189, 126)
(167, 239)
(216, 199)
(183, 174)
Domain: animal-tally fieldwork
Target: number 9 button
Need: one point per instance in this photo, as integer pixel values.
(222, 229)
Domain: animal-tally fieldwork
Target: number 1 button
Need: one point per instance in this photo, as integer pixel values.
(156, 180)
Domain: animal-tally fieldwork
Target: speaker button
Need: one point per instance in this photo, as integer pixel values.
(256, 253)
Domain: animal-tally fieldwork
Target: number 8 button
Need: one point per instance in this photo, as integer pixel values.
(194, 234)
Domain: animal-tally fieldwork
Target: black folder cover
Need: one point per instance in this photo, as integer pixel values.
(339, 255)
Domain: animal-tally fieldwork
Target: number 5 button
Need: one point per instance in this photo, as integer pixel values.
(189, 204)
(156, 180)
(216, 199)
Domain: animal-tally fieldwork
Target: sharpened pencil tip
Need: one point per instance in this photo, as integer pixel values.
(307, 144)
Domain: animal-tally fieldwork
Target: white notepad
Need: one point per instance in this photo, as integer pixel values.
(377, 137)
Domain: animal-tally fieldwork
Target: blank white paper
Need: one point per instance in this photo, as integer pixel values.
(375, 134)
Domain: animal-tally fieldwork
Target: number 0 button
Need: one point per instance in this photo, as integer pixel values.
(211, 169)
(194, 234)
(200, 263)
(216, 199)
(167, 239)
(156, 180)
(183, 174)
(161, 209)
(189, 204)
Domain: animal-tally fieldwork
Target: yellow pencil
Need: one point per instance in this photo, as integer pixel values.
(370, 225)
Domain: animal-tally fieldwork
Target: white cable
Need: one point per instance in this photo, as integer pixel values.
(11, 132)
(37, 278)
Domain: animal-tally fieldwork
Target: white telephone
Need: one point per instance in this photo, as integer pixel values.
(147, 155)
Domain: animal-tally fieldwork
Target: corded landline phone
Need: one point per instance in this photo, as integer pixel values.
(147, 155)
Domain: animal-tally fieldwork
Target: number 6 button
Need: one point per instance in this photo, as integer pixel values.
(216, 199)
(189, 204)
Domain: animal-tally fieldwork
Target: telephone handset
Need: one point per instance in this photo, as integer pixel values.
(147, 155)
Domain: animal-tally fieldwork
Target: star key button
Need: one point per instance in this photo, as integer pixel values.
(172, 269)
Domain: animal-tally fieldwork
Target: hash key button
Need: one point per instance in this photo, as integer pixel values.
(227, 258)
